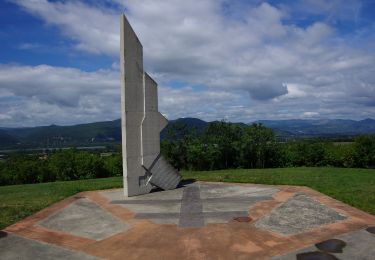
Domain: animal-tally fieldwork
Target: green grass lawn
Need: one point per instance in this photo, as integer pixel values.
(352, 186)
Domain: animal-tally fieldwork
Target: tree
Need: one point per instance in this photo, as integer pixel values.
(113, 165)
(226, 138)
(316, 155)
(63, 163)
(201, 156)
(259, 147)
(89, 166)
(21, 169)
(174, 147)
(364, 151)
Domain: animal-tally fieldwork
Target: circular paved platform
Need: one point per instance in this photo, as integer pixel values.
(196, 221)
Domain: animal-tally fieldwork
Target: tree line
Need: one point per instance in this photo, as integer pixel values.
(225, 145)
(221, 145)
(63, 165)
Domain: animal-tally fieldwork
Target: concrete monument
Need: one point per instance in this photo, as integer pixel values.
(141, 122)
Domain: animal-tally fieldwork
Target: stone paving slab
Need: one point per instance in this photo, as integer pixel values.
(194, 205)
(359, 245)
(16, 247)
(85, 219)
(298, 214)
(196, 221)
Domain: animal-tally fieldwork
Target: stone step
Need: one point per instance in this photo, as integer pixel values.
(164, 175)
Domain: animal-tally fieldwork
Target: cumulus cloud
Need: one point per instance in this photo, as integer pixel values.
(94, 29)
(32, 95)
(256, 64)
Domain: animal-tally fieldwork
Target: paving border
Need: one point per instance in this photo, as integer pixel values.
(213, 241)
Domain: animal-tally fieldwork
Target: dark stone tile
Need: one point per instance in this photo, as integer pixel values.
(316, 256)
(331, 245)
(242, 219)
(3, 234)
(371, 230)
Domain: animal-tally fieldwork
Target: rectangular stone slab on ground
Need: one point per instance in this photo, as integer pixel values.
(141, 122)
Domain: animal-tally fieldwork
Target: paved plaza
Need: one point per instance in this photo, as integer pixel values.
(198, 220)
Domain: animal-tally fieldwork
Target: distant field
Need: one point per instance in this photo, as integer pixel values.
(343, 143)
(352, 186)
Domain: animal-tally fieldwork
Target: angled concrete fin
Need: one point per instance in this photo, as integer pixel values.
(141, 121)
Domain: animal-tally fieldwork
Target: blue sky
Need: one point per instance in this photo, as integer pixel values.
(213, 59)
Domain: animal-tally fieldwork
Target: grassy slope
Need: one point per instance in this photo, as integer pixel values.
(20, 201)
(353, 186)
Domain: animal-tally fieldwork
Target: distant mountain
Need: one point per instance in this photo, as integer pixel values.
(78, 135)
(110, 131)
(60, 136)
(7, 139)
(189, 122)
(192, 124)
(300, 127)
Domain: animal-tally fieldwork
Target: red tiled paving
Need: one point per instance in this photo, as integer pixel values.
(233, 240)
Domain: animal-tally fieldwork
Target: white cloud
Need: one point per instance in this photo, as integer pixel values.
(295, 91)
(29, 46)
(95, 30)
(42, 95)
(32, 95)
(310, 114)
(253, 65)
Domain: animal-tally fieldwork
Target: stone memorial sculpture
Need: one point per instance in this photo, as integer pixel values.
(141, 122)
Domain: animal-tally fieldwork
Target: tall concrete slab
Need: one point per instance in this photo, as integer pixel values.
(141, 121)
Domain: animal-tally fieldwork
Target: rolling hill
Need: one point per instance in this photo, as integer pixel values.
(110, 131)
(7, 139)
(322, 127)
